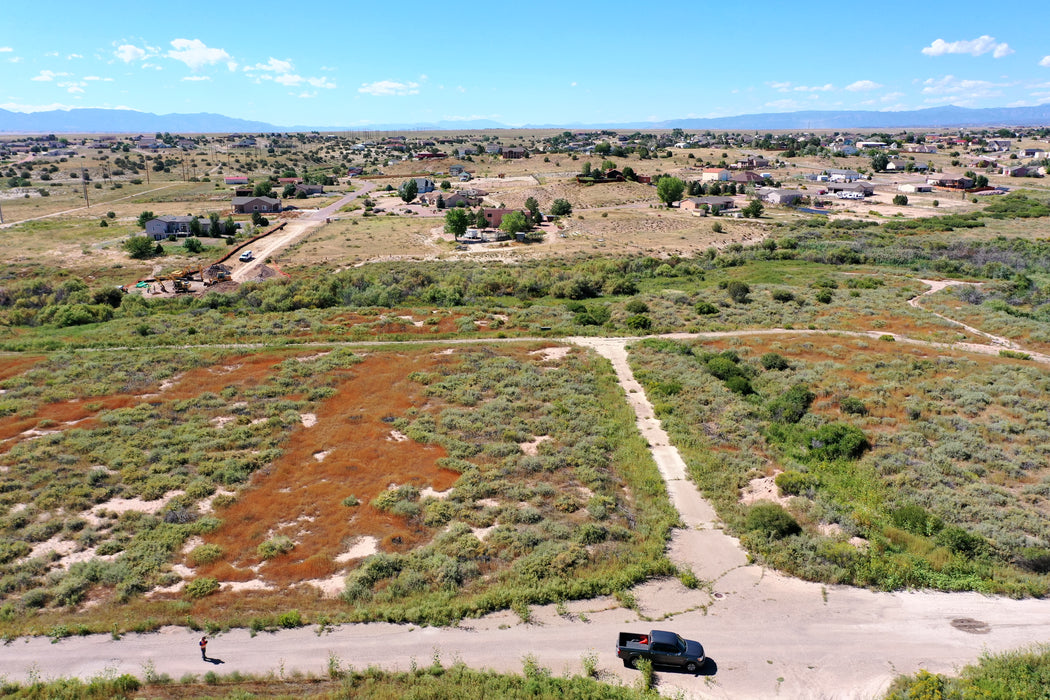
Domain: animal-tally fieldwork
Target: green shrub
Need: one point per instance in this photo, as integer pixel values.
(837, 441)
(796, 483)
(824, 296)
(638, 322)
(275, 547)
(853, 406)
(290, 619)
(706, 308)
(790, 406)
(738, 291)
(782, 295)
(205, 554)
(636, 306)
(771, 520)
(774, 361)
(201, 587)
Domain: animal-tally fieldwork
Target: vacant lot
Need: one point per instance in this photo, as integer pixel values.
(877, 465)
(424, 485)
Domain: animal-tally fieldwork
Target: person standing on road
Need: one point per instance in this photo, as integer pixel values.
(204, 648)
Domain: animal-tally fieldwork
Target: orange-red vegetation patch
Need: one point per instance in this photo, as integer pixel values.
(242, 371)
(12, 366)
(301, 497)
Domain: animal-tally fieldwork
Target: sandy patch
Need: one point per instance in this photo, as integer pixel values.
(548, 354)
(362, 547)
(253, 585)
(829, 529)
(191, 543)
(446, 351)
(123, 505)
(184, 572)
(763, 489)
(396, 436)
(488, 503)
(330, 587)
(222, 421)
(319, 456)
(585, 492)
(532, 447)
(429, 492)
(33, 433)
(316, 356)
(309, 419)
(414, 322)
(206, 505)
(482, 532)
(55, 544)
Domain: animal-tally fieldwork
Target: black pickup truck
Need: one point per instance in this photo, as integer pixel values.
(662, 648)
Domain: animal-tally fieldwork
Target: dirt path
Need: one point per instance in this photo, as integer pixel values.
(938, 285)
(76, 209)
(766, 635)
(293, 231)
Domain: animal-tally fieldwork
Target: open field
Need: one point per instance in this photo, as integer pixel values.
(403, 430)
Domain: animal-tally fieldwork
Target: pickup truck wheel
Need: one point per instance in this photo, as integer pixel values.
(631, 662)
(691, 667)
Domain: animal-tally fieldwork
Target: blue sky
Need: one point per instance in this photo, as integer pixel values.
(353, 64)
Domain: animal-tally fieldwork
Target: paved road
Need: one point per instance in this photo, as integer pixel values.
(767, 635)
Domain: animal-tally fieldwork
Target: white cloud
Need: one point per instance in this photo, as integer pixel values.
(195, 78)
(289, 79)
(950, 85)
(306, 94)
(129, 53)
(274, 65)
(781, 87)
(16, 59)
(46, 76)
(389, 87)
(72, 56)
(51, 54)
(892, 96)
(73, 87)
(95, 77)
(6, 49)
(321, 83)
(974, 47)
(470, 118)
(460, 88)
(29, 109)
(1045, 63)
(862, 85)
(195, 54)
(815, 88)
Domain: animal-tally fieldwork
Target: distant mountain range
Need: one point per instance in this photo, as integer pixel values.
(118, 121)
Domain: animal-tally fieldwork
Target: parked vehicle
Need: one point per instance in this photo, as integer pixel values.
(661, 648)
(246, 256)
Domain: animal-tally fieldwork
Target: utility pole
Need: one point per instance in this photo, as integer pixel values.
(83, 181)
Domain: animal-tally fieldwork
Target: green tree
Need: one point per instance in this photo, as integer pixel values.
(288, 190)
(901, 200)
(195, 226)
(603, 148)
(628, 173)
(193, 245)
(561, 207)
(446, 185)
(879, 161)
(608, 165)
(440, 203)
(586, 171)
(144, 217)
(753, 210)
(264, 189)
(213, 219)
(514, 222)
(408, 190)
(534, 210)
(479, 219)
(139, 247)
(670, 190)
(456, 222)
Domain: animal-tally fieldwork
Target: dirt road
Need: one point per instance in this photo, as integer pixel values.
(293, 231)
(766, 635)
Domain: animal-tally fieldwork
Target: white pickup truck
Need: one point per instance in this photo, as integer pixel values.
(246, 256)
